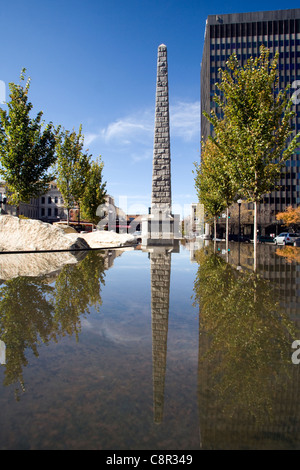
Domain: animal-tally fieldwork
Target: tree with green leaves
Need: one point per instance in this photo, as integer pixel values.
(216, 189)
(27, 147)
(208, 194)
(72, 167)
(258, 138)
(95, 192)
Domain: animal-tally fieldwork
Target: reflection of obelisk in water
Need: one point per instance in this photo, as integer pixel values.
(2, 352)
(160, 288)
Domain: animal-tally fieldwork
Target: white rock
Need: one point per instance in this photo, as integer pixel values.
(101, 238)
(33, 235)
(28, 234)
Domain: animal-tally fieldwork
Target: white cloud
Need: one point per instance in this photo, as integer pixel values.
(141, 156)
(129, 130)
(126, 131)
(185, 120)
(134, 133)
(89, 138)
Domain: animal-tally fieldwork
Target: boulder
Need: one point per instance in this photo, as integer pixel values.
(102, 239)
(33, 235)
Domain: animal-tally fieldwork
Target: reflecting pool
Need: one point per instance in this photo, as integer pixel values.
(150, 349)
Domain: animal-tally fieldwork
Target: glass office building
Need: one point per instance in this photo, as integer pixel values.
(243, 33)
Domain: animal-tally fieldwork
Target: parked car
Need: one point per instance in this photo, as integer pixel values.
(286, 238)
(236, 238)
(265, 239)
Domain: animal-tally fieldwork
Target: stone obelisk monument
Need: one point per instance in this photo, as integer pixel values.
(161, 178)
(161, 225)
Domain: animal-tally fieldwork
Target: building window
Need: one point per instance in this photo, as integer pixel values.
(43, 212)
(49, 200)
(43, 199)
(49, 211)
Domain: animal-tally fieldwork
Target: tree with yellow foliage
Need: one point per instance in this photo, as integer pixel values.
(290, 217)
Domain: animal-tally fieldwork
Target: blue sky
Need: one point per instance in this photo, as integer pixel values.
(94, 63)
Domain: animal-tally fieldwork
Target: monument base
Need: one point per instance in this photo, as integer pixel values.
(161, 230)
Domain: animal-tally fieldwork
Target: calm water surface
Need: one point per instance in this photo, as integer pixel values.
(150, 350)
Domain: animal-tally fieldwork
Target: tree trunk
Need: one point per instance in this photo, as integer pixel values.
(227, 232)
(255, 227)
(215, 234)
(255, 237)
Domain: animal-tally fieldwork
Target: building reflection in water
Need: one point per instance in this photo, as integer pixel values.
(248, 387)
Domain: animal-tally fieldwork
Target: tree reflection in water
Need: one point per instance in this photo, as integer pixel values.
(290, 253)
(32, 311)
(244, 354)
(76, 289)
